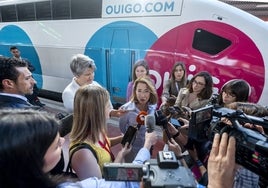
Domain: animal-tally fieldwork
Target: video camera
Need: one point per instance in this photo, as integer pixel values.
(251, 146)
(165, 171)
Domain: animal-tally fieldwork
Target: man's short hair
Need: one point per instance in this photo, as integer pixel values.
(13, 48)
(8, 69)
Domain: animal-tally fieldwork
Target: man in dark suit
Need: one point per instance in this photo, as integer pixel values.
(32, 98)
(16, 81)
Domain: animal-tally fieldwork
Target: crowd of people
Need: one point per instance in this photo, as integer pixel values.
(30, 134)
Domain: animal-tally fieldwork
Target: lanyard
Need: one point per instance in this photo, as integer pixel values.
(106, 146)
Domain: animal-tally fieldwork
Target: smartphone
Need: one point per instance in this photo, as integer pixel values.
(175, 122)
(129, 136)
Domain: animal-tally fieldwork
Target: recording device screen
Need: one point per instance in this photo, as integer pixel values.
(175, 122)
(199, 119)
(122, 172)
(202, 115)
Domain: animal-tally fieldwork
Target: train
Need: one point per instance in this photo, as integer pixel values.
(206, 35)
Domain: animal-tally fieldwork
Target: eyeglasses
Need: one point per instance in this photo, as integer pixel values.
(198, 83)
(229, 94)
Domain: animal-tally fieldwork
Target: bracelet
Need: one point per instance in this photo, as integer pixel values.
(176, 135)
(199, 163)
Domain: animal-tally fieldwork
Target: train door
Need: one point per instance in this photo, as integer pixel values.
(119, 62)
(115, 47)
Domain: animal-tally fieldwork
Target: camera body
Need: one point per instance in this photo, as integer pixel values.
(251, 146)
(162, 119)
(165, 171)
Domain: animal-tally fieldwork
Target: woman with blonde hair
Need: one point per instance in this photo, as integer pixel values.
(91, 110)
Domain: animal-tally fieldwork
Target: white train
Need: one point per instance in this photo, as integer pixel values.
(205, 34)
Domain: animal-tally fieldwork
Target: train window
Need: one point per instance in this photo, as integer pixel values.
(26, 12)
(86, 9)
(43, 10)
(61, 9)
(209, 43)
(9, 13)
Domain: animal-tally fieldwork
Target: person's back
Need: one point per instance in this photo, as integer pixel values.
(91, 104)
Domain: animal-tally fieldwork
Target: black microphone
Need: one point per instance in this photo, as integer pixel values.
(150, 126)
(150, 123)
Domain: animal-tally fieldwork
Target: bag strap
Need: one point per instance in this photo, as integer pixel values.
(74, 149)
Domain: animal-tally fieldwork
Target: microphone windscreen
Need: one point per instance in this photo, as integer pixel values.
(150, 123)
(141, 117)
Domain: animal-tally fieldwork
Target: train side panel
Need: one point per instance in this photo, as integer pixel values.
(205, 34)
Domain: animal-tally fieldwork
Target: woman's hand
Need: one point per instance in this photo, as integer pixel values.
(256, 127)
(118, 113)
(122, 153)
(150, 139)
(221, 162)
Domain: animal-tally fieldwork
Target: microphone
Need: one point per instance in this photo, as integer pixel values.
(141, 118)
(150, 123)
(150, 126)
(135, 123)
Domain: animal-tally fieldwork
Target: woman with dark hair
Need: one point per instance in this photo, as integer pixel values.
(178, 80)
(140, 69)
(30, 147)
(236, 90)
(197, 93)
